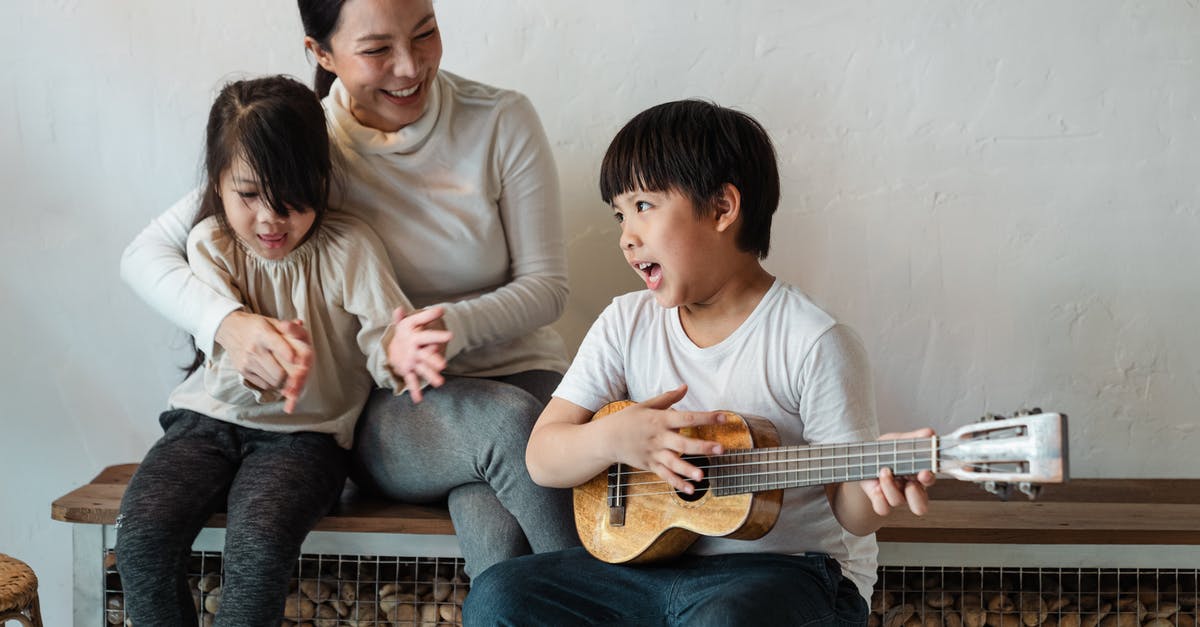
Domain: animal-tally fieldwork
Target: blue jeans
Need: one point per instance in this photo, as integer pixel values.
(465, 445)
(573, 588)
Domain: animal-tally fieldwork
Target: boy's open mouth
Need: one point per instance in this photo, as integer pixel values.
(651, 273)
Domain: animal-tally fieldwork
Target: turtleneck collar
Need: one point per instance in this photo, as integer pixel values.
(367, 140)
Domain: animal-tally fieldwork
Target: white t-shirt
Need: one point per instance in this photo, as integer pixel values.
(789, 362)
(339, 282)
(466, 202)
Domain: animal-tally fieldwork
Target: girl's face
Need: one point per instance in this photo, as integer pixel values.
(386, 53)
(263, 231)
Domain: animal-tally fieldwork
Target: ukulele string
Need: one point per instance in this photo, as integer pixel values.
(894, 454)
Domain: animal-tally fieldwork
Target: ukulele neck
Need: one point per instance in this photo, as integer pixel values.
(758, 470)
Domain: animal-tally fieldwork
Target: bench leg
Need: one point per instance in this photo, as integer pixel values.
(88, 543)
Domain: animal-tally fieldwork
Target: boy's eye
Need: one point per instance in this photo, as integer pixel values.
(427, 34)
(642, 205)
(375, 51)
(619, 217)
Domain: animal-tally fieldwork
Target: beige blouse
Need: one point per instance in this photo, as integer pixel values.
(341, 284)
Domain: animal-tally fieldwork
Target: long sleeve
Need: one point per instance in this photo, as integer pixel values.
(530, 211)
(155, 266)
(370, 293)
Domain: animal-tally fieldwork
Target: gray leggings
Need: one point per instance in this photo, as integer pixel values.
(465, 444)
(277, 486)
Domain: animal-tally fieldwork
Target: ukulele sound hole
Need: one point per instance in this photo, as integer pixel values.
(700, 486)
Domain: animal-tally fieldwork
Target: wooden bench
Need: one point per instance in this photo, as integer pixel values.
(99, 502)
(1081, 512)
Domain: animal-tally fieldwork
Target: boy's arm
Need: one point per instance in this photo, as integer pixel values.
(862, 506)
(838, 405)
(567, 447)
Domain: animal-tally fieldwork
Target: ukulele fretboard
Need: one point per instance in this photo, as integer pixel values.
(758, 470)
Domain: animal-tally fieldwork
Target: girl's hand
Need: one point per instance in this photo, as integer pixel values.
(270, 354)
(890, 491)
(417, 348)
(646, 435)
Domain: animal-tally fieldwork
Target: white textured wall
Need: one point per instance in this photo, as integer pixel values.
(1000, 196)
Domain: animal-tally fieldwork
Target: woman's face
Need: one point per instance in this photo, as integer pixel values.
(386, 53)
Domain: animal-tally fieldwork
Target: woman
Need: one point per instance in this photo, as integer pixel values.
(459, 182)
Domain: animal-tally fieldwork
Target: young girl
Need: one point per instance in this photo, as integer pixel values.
(263, 236)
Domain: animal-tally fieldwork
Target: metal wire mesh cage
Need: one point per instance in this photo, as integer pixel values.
(333, 590)
(1015, 597)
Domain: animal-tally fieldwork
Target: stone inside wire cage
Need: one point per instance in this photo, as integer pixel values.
(333, 590)
(1014, 597)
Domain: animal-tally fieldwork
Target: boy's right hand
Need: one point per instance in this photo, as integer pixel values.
(270, 354)
(646, 436)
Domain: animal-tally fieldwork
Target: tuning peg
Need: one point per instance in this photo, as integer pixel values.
(1028, 412)
(998, 488)
(991, 417)
(1029, 489)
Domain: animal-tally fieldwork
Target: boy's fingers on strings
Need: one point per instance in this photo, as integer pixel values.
(692, 446)
(675, 472)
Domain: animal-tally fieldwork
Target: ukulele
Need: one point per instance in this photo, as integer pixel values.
(627, 515)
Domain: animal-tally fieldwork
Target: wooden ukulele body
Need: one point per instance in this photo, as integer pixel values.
(658, 521)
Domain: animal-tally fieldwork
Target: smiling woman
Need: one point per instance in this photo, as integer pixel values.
(458, 179)
(387, 56)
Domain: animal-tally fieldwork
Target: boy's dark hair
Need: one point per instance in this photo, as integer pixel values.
(694, 148)
(320, 19)
(277, 125)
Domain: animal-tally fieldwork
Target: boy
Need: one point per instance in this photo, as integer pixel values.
(694, 186)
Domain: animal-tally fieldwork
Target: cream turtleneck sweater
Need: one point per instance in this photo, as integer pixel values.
(466, 202)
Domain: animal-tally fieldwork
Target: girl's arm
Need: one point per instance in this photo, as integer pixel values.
(370, 292)
(530, 208)
(155, 266)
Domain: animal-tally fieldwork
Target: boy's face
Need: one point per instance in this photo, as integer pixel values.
(667, 245)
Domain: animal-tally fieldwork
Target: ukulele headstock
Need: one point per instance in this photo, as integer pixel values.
(1026, 450)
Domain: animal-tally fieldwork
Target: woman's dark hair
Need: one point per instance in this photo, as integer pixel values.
(694, 148)
(277, 126)
(320, 19)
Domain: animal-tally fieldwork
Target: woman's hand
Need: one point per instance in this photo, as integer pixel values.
(417, 348)
(270, 354)
(890, 491)
(646, 436)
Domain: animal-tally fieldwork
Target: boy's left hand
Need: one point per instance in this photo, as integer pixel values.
(890, 491)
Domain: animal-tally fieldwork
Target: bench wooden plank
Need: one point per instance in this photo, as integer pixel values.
(1083, 511)
(99, 502)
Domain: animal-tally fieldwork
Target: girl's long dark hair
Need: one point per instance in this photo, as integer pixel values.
(277, 126)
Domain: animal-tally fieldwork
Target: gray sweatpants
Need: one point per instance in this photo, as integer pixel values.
(465, 444)
(276, 486)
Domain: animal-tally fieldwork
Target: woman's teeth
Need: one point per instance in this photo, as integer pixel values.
(404, 93)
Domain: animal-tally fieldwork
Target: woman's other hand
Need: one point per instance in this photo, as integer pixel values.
(417, 348)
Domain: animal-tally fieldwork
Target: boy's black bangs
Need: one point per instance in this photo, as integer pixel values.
(285, 166)
(663, 148)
